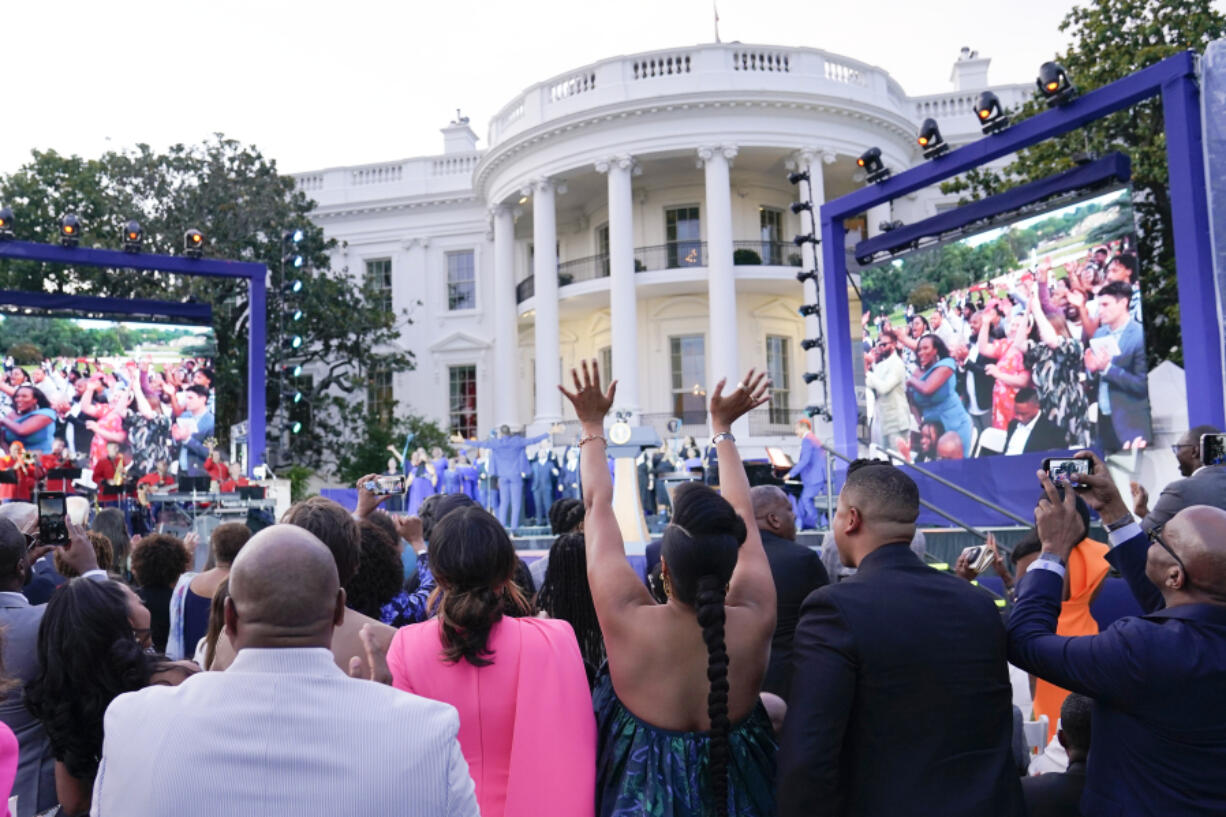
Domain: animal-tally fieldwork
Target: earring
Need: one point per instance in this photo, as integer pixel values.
(668, 587)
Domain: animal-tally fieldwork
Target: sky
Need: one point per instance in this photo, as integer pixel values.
(318, 84)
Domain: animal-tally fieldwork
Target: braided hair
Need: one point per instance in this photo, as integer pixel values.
(566, 595)
(700, 549)
(565, 516)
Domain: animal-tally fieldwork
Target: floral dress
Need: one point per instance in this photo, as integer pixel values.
(1057, 375)
(112, 422)
(1010, 359)
(149, 440)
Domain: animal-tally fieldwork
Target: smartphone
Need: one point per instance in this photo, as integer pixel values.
(385, 485)
(1213, 449)
(1060, 470)
(52, 513)
(979, 557)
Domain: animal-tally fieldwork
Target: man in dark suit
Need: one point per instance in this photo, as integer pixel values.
(1059, 794)
(1202, 484)
(975, 383)
(797, 571)
(35, 782)
(1123, 384)
(1030, 430)
(900, 698)
(1159, 741)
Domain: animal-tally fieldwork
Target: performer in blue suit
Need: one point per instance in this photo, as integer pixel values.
(468, 477)
(510, 463)
(570, 474)
(810, 469)
(545, 475)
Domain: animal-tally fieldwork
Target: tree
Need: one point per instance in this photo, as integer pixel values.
(370, 454)
(243, 206)
(1109, 40)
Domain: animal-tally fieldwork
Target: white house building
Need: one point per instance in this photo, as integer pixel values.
(635, 210)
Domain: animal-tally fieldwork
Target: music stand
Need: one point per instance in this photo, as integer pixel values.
(8, 477)
(194, 484)
(64, 473)
(251, 492)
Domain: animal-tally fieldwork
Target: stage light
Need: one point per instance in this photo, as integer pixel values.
(811, 343)
(806, 238)
(133, 236)
(818, 411)
(870, 160)
(6, 223)
(297, 316)
(294, 286)
(930, 139)
(295, 342)
(809, 377)
(70, 230)
(193, 243)
(1054, 85)
(296, 236)
(887, 226)
(294, 395)
(801, 206)
(806, 275)
(297, 371)
(295, 428)
(809, 309)
(798, 176)
(992, 118)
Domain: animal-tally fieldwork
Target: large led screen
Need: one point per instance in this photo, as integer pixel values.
(76, 385)
(1013, 340)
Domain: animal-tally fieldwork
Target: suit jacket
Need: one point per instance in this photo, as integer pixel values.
(1159, 740)
(281, 731)
(192, 451)
(1128, 384)
(983, 382)
(810, 469)
(1055, 795)
(507, 457)
(1045, 436)
(887, 379)
(900, 700)
(1206, 487)
(797, 571)
(35, 783)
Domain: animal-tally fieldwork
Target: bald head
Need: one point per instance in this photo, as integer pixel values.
(949, 447)
(284, 591)
(772, 511)
(1197, 534)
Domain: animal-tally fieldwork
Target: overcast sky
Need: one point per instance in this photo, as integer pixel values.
(315, 84)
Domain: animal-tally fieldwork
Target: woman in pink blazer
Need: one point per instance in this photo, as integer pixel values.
(527, 727)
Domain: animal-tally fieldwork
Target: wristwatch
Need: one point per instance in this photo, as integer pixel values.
(723, 435)
(1123, 521)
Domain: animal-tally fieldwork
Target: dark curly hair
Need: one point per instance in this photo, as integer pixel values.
(87, 655)
(380, 572)
(565, 594)
(159, 560)
(565, 516)
(332, 525)
(474, 562)
(103, 552)
(436, 506)
(700, 548)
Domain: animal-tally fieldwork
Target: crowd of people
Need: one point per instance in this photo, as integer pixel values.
(370, 663)
(1047, 358)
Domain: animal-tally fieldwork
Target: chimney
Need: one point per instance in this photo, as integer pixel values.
(970, 71)
(458, 137)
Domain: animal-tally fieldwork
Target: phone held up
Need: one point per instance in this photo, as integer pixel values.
(385, 485)
(979, 558)
(1060, 470)
(1213, 449)
(52, 516)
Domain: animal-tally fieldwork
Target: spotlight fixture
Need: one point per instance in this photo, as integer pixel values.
(801, 206)
(297, 316)
(811, 343)
(1054, 84)
(887, 226)
(798, 176)
(295, 286)
(809, 309)
(809, 377)
(870, 160)
(70, 230)
(296, 371)
(295, 342)
(133, 236)
(818, 411)
(6, 223)
(992, 118)
(930, 139)
(806, 275)
(806, 238)
(295, 428)
(193, 243)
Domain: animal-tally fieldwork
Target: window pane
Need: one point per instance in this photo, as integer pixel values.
(461, 280)
(379, 279)
(688, 368)
(778, 357)
(462, 382)
(771, 223)
(683, 230)
(379, 397)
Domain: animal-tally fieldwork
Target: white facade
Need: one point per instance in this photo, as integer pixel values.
(603, 218)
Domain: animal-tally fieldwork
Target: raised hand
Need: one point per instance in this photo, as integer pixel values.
(750, 393)
(591, 405)
(1098, 489)
(376, 659)
(1058, 524)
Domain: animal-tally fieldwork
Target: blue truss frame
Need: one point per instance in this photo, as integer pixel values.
(256, 275)
(1175, 80)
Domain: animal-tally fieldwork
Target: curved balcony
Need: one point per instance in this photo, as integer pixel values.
(672, 255)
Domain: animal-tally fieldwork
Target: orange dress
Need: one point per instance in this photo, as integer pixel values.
(1087, 567)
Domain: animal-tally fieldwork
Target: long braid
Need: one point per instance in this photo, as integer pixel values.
(710, 609)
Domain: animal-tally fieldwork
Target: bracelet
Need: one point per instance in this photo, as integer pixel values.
(587, 438)
(723, 435)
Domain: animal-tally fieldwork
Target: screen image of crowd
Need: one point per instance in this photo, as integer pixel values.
(129, 405)
(1012, 356)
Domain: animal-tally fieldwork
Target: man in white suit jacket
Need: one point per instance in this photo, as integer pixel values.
(283, 730)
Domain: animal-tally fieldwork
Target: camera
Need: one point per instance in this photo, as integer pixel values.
(979, 558)
(1213, 449)
(384, 485)
(1060, 470)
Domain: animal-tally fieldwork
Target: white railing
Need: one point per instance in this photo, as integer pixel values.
(843, 72)
(761, 61)
(447, 165)
(962, 103)
(311, 182)
(572, 86)
(662, 65)
(377, 174)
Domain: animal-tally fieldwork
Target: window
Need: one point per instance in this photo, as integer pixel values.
(778, 366)
(602, 250)
(379, 398)
(687, 355)
(379, 279)
(606, 366)
(771, 224)
(461, 280)
(462, 408)
(681, 228)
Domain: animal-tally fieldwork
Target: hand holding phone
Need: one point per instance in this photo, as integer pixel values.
(1213, 449)
(1061, 470)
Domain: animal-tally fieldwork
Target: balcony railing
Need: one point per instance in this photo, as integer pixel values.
(672, 255)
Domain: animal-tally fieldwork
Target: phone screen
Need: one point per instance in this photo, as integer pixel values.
(1213, 449)
(1061, 470)
(52, 510)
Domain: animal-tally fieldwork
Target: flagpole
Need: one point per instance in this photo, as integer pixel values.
(715, 8)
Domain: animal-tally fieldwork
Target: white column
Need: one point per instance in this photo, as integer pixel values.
(622, 296)
(506, 335)
(876, 215)
(545, 278)
(722, 336)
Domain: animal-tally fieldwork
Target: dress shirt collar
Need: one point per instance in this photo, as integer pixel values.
(286, 661)
(892, 555)
(10, 599)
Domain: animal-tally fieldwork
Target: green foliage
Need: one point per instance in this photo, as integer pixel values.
(746, 257)
(923, 296)
(26, 354)
(1109, 40)
(299, 477)
(369, 455)
(244, 206)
